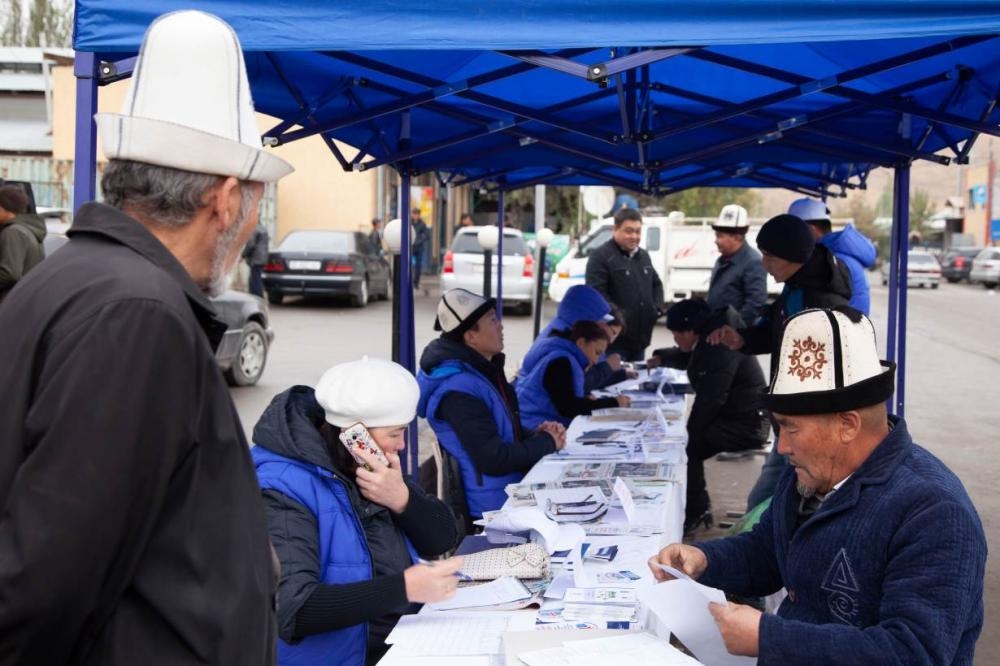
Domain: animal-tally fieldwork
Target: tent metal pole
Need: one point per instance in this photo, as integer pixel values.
(405, 296)
(500, 225)
(85, 160)
(896, 339)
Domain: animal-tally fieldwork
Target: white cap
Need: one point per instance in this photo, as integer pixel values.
(188, 105)
(460, 309)
(733, 217)
(828, 363)
(809, 209)
(372, 391)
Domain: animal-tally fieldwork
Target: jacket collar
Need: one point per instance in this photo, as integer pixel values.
(99, 220)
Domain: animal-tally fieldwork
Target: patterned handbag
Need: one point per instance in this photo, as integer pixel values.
(528, 560)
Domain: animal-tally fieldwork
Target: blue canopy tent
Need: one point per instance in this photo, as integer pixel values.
(647, 95)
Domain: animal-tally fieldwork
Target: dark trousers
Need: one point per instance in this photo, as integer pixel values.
(418, 264)
(256, 282)
(737, 435)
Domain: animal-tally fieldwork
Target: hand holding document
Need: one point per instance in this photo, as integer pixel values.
(682, 606)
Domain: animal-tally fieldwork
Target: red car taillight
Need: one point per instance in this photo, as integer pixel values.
(276, 266)
(449, 262)
(959, 261)
(338, 267)
(529, 266)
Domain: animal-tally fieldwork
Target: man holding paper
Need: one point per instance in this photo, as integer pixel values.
(876, 542)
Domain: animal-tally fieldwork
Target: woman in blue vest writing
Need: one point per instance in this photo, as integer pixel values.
(348, 536)
(550, 385)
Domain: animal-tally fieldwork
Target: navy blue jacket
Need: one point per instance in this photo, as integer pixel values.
(739, 281)
(889, 569)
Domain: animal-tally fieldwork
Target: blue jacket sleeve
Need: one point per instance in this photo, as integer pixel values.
(744, 564)
(933, 582)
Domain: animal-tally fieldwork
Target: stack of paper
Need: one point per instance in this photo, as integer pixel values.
(504, 590)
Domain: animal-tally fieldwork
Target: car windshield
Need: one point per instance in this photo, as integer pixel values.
(921, 259)
(318, 241)
(513, 245)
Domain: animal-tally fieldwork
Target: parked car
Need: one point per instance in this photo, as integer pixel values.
(922, 270)
(463, 267)
(327, 263)
(242, 353)
(957, 263)
(986, 267)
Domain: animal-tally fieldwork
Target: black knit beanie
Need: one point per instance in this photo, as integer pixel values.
(688, 315)
(786, 237)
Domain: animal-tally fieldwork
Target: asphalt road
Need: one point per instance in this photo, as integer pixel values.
(952, 395)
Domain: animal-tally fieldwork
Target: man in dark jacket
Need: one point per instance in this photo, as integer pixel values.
(421, 239)
(813, 278)
(738, 278)
(876, 542)
(21, 236)
(624, 274)
(474, 412)
(255, 254)
(132, 530)
(727, 414)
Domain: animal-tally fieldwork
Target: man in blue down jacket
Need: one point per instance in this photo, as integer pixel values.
(876, 542)
(849, 245)
(471, 407)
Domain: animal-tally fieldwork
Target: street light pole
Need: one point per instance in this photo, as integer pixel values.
(393, 236)
(542, 239)
(488, 237)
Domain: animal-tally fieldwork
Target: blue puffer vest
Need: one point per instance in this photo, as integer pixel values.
(536, 404)
(343, 555)
(483, 492)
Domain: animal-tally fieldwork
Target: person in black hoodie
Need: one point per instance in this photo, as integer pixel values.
(813, 278)
(727, 414)
(472, 408)
(348, 536)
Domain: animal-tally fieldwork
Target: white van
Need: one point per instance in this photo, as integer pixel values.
(682, 251)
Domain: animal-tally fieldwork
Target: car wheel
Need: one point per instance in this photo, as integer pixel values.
(249, 363)
(387, 291)
(275, 297)
(952, 280)
(360, 299)
(935, 285)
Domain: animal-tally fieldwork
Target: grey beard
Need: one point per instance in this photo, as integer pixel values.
(222, 276)
(805, 492)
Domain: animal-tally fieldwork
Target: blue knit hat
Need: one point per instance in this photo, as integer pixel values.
(786, 237)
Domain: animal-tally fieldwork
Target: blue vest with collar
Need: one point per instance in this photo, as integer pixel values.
(343, 551)
(536, 403)
(483, 492)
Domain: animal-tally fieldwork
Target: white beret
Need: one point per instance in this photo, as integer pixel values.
(372, 391)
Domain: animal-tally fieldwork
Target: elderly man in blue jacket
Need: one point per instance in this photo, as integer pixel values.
(877, 543)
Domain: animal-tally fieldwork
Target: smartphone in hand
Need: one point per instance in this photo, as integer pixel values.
(356, 438)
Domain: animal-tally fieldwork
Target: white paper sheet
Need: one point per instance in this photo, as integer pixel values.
(624, 494)
(633, 648)
(500, 591)
(682, 607)
(447, 633)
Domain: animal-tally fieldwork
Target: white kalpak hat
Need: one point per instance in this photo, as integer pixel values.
(188, 106)
(809, 209)
(372, 391)
(828, 363)
(733, 218)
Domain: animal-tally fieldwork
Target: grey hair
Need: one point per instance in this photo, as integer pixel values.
(163, 195)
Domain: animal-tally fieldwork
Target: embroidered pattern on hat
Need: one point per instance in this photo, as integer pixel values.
(807, 359)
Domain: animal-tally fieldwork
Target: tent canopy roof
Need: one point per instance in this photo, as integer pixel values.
(644, 95)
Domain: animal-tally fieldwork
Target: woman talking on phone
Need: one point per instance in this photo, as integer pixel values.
(348, 535)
